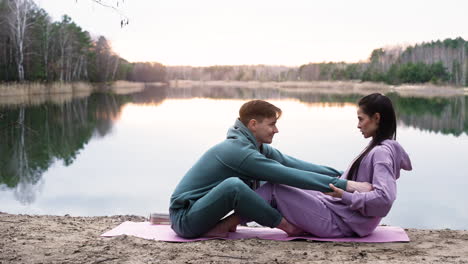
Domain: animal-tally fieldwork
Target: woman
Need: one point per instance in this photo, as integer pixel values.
(341, 213)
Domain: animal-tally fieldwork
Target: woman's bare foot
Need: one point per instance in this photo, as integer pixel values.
(222, 229)
(289, 228)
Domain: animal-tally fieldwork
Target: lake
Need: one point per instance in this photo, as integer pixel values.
(108, 154)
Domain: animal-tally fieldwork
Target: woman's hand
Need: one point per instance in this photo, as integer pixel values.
(337, 192)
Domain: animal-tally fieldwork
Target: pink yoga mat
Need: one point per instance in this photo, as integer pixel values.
(164, 233)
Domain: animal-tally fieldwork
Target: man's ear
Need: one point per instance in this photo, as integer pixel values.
(252, 125)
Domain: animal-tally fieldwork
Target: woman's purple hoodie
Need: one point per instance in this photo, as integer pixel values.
(362, 212)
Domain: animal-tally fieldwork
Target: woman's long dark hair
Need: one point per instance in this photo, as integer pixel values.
(371, 104)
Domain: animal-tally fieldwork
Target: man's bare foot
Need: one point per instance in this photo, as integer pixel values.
(233, 228)
(222, 229)
(215, 233)
(289, 228)
(359, 186)
(232, 221)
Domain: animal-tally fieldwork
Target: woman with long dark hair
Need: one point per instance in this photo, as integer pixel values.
(341, 213)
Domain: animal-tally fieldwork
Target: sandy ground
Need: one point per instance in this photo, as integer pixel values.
(65, 239)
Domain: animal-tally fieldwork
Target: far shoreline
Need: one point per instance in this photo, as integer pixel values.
(334, 87)
(38, 92)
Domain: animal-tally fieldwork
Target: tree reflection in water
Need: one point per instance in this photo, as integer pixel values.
(446, 115)
(34, 137)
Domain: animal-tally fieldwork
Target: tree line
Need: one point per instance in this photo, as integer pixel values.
(34, 48)
(440, 62)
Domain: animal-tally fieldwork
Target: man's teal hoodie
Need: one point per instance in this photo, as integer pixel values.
(239, 156)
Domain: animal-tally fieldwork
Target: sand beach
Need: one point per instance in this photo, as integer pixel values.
(66, 239)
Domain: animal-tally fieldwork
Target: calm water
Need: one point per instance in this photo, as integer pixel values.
(112, 154)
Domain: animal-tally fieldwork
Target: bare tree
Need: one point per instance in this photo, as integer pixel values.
(63, 41)
(20, 11)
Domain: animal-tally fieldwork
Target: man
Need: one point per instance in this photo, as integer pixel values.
(223, 179)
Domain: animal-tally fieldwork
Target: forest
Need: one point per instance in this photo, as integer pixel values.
(36, 49)
(438, 62)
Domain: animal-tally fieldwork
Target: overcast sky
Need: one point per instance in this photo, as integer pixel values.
(293, 32)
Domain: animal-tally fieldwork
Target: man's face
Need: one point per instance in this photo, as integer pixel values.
(265, 130)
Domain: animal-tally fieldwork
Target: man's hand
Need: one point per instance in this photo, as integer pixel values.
(353, 186)
(337, 192)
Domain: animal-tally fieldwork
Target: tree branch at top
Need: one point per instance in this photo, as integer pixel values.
(115, 7)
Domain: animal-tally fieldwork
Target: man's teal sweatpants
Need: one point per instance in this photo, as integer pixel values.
(232, 194)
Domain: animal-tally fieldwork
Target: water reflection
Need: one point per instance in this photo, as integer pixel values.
(446, 115)
(33, 137)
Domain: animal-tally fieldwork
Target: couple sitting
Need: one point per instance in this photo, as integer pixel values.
(245, 174)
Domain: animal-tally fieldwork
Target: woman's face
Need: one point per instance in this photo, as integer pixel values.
(368, 125)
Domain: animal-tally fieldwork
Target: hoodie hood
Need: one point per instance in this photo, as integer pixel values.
(241, 132)
(400, 157)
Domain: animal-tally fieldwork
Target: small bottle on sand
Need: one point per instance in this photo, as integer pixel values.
(159, 219)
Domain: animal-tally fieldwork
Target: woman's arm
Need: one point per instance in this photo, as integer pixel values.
(379, 201)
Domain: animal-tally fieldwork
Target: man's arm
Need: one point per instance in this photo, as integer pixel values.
(292, 162)
(257, 166)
